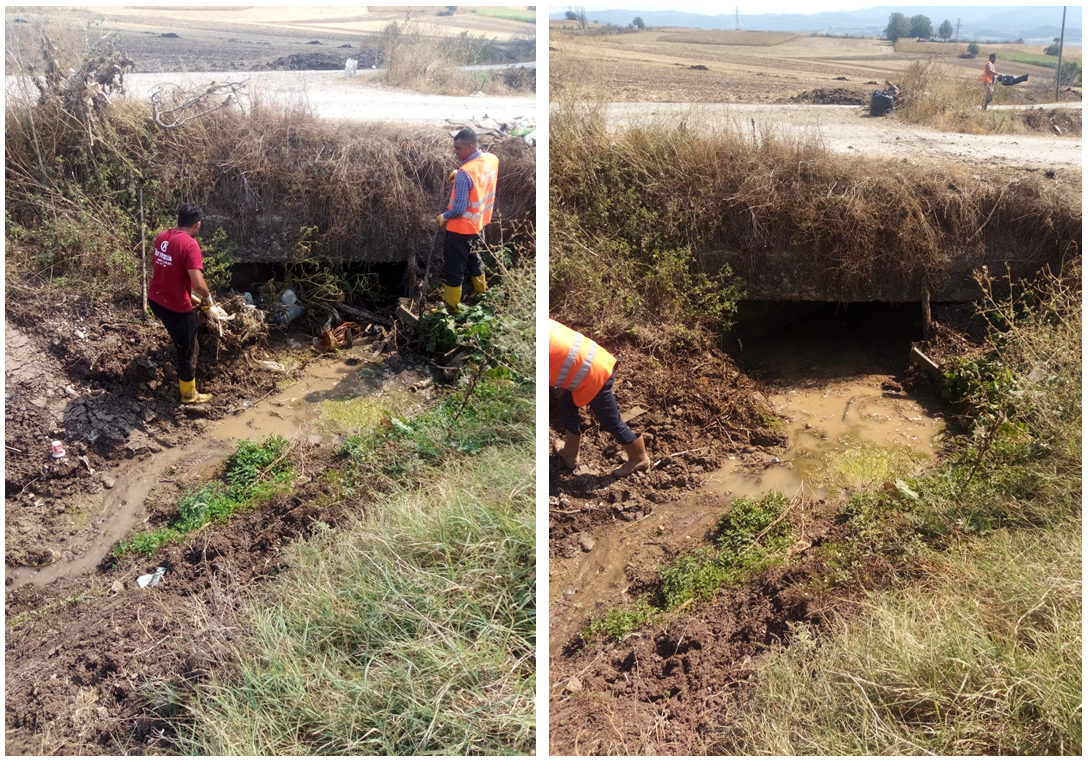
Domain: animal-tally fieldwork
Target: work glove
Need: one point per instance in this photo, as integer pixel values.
(206, 306)
(440, 220)
(450, 178)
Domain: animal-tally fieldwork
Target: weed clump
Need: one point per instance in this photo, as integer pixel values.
(746, 540)
(252, 475)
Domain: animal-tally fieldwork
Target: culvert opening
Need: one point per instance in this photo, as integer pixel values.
(374, 286)
(835, 379)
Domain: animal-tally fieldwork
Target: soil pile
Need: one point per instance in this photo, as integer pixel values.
(1059, 121)
(320, 62)
(831, 97)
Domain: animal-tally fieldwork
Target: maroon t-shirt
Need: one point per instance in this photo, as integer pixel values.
(176, 252)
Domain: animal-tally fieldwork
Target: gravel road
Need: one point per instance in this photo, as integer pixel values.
(333, 96)
(843, 129)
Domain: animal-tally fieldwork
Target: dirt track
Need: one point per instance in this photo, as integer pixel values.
(847, 129)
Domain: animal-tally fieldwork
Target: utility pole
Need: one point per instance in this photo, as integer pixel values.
(1060, 63)
(737, 23)
(957, 34)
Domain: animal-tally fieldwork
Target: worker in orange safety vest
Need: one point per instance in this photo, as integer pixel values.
(472, 196)
(582, 372)
(989, 80)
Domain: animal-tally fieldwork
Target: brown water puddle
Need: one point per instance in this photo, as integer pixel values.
(847, 423)
(292, 413)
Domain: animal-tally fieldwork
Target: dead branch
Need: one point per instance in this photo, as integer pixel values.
(193, 104)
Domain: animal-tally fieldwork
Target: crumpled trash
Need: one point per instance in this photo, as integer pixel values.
(79, 334)
(350, 67)
(270, 365)
(151, 579)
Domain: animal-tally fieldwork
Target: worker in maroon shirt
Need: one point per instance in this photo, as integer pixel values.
(177, 287)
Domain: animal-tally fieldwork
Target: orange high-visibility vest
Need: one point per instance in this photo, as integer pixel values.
(577, 364)
(989, 76)
(478, 214)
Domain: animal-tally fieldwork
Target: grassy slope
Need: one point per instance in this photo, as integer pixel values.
(409, 634)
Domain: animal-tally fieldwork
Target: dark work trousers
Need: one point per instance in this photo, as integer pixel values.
(460, 254)
(182, 328)
(604, 406)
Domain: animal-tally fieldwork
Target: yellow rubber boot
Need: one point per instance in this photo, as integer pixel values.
(480, 286)
(452, 296)
(190, 394)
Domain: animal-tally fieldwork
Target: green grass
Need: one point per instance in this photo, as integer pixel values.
(410, 633)
(980, 656)
(514, 14)
(252, 475)
(746, 540)
(1033, 59)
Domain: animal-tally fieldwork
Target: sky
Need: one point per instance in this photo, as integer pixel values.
(771, 6)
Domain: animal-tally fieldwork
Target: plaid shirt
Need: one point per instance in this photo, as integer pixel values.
(462, 185)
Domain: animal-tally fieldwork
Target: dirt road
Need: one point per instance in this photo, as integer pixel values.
(846, 129)
(333, 96)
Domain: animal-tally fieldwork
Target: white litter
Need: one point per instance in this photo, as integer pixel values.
(151, 579)
(79, 334)
(350, 67)
(271, 365)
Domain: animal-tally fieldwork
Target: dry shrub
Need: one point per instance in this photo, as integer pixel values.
(947, 98)
(731, 37)
(943, 97)
(370, 191)
(429, 63)
(858, 227)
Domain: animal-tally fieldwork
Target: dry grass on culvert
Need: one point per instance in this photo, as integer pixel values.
(369, 191)
(740, 193)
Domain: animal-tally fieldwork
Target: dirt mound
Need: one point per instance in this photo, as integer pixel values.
(522, 78)
(321, 62)
(1058, 121)
(692, 412)
(77, 675)
(831, 97)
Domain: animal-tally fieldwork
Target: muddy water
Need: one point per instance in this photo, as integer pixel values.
(292, 413)
(849, 427)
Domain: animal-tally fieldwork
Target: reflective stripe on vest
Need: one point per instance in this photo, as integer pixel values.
(482, 195)
(577, 364)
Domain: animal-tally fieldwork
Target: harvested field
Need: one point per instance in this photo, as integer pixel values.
(647, 67)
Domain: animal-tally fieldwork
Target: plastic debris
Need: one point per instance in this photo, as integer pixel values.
(287, 297)
(350, 67)
(271, 365)
(220, 314)
(904, 490)
(70, 390)
(151, 579)
(58, 449)
(79, 334)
